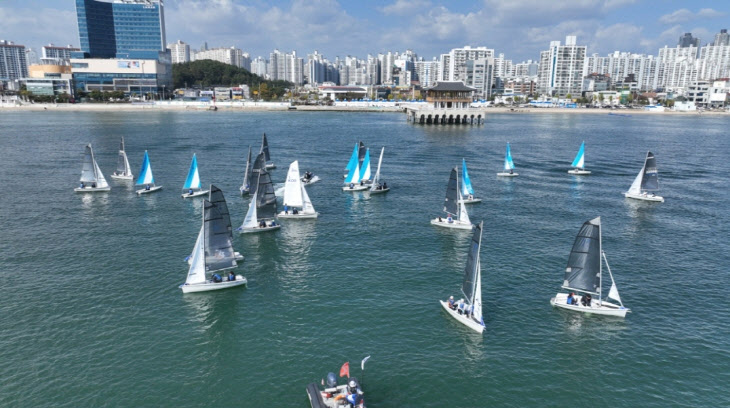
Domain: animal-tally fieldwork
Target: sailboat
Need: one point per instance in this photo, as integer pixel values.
(216, 197)
(579, 162)
(262, 208)
(376, 187)
(192, 186)
(359, 177)
(467, 191)
(213, 254)
(146, 178)
(297, 204)
(646, 182)
(265, 151)
(245, 186)
(509, 165)
(91, 177)
(471, 314)
(253, 176)
(584, 275)
(453, 206)
(123, 172)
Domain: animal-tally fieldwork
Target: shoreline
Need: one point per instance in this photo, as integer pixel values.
(283, 106)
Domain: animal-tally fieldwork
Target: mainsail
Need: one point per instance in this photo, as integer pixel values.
(265, 148)
(579, 160)
(88, 170)
(508, 163)
(216, 197)
(353, 175)
(123, 168)
(219, 254)
(145, 174)
(246, 182)
(376, 179)
(353, 160)
(466, 188)
(361, 152)
(650, 179)
(293, 187)
(451, 203)
(266, 199)
(583, 272)
(193, 179)
(471, 287)
(253, 179)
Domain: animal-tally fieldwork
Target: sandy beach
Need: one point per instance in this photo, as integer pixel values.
(338, 107)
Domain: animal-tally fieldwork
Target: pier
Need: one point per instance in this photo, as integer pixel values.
(449, 103)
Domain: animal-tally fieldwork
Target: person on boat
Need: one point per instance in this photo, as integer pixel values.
(231, 276)
(190, 192)
(262, 224)
(440, 220)
(469, 310)
(286, 209)
(93, 185)
(216, 278)
(147, 187)
(586, 301)
(511, 171)
(352, 185)
(83, 185)
(571, 299)
(362, 183)
(461, 306)
(470, 197)
(385, 185)
(295, 211)
(452, 304)
(354, 393)
(449, 219)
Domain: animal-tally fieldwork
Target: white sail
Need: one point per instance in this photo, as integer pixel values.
(365, 168)
(636, 185)
(128, 171)
(100, 180)
(463, 215)
(613, 293)
(477, 302)
(251, 220)
(196, 273)
(376, 179)
(293, 187)
(307, 207)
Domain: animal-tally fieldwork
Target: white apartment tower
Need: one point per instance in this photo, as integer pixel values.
(427, 72)
(180, 52)
(13, 61)
(231, 56)
(452, 66)
(561, 68)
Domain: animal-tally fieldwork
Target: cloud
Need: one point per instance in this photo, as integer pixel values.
(36, 27)
(404, 7)
(684, 15)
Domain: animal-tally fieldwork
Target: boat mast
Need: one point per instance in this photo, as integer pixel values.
(600, 264)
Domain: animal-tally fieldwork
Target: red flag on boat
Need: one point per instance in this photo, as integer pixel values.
(345, 370)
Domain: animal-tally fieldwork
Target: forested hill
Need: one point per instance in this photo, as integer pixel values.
(208, 73)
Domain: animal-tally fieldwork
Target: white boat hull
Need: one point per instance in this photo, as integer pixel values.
(270, 166)
(129, 177)
(605, 308)
(381, 191)
(238, 257)
(456, 224)
(151, 190)
(209, 285)
(356, 187)
(258, 229)
(195, 194)
(244, 191)
(313, 180)
(471, 200)
(645, 197)
(507, 174)
(466, 321)
(579, 172)
(298, 216)
(92, 189)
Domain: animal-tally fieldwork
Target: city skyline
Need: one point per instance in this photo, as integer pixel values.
(519, 29)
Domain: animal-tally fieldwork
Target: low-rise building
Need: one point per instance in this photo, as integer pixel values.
(334, 92)
(133, 76)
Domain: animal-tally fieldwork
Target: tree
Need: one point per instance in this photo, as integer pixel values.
(569, 96)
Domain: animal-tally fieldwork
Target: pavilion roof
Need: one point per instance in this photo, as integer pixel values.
(456, 86)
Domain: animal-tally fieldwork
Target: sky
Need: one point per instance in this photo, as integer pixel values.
(518, 28)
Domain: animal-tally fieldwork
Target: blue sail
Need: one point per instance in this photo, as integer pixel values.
(579, 160)
(193, 180)
(466, 188)
(353, 160)
(145, 175)
(508, 164)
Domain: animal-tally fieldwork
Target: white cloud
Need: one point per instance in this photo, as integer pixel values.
(36, 27)
(684, 15)
(404, 7)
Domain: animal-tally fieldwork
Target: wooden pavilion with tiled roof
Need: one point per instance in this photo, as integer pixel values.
(447, 103)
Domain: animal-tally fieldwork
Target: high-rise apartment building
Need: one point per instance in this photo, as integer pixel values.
(526, 69)
(179, 52)
(479, 75)
(722, 38)
(286, 67)
(453, 65)
(53, 55)
(13, 62)
(230, 56)
(561, 68)
(687, 40)
(427, 72)
(259, 67)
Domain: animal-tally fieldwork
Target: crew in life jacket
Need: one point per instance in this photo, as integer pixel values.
(216, 278)
(354, 393)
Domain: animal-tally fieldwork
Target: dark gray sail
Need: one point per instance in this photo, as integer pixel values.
(215, 196)
(469, 286)
(219, 254)
(88, 172)
(265, 148)
(121, 162)
(451, 204)
(361, 152)
(265, 198)
(247, 174)
(583, 272)
(253, 180)
(650, 181)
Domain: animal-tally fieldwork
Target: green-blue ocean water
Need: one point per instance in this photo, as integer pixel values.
(91, 313)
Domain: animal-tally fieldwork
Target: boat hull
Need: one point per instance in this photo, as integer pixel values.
(151, 190)
(605, 308)
(381, 191)
(244, 191)
(299, 216)
(645, 197)
(129, 177)
(313, 180)
(466, 321)
(456, 224)
(92, 189)
(209, 286)
(471, 200)
(195, 194)
(270, 166)
(255, 230)
(579, 172)
(356, 187)
(503, 174)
